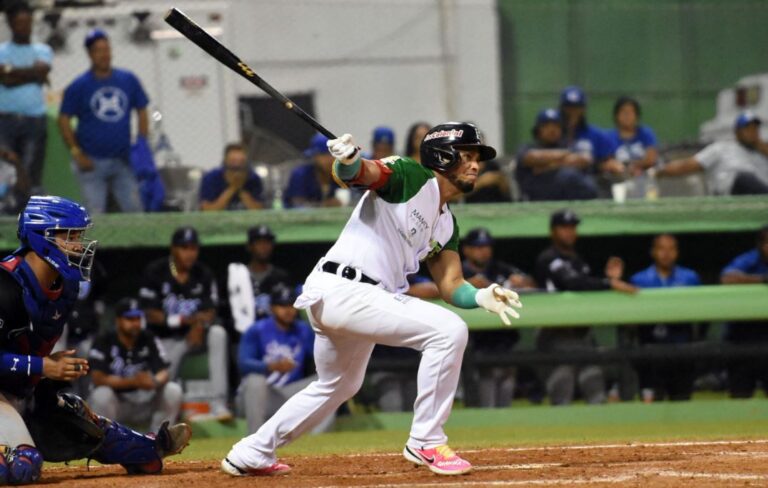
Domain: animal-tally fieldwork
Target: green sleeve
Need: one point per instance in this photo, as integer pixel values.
(406, 179)
(453, 242)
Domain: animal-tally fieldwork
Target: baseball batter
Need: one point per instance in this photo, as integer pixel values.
(39, 284)
(354, 297)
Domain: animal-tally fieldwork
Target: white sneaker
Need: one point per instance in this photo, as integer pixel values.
(220, 412)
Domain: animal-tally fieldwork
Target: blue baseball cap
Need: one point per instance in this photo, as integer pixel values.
(573, 95)
(317, 145)
(383, 135)
(93, 36)
(547, 115)
(128, 308)
(479, 236)
(746, 118)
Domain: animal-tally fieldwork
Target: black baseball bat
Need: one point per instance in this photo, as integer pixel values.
(189, 29)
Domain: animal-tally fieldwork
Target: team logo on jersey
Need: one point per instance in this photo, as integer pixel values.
(435, 248)
(2, 322)
(56, 315)
(109, 104)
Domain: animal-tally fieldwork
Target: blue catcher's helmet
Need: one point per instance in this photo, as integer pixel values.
(54, 228)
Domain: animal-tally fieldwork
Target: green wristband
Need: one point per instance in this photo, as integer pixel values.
(464, 296)
(347, 172)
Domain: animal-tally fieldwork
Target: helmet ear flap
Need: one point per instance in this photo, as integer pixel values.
(442, 158)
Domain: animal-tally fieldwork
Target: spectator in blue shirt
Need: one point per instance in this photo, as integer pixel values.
(634, 144)
(234, 185)
(548, 170)
(311, 184)
(748, 268)
(273, 357)
(584, 138)
(666, 378)
(24, 68)
(102, 99)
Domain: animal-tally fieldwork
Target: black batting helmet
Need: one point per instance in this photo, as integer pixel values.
(439, 149)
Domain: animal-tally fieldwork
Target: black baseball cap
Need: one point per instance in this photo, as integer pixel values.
(128, 308)
(184, 236)
(282, 294)
(479, 236)
(564, 217)
(260, 232)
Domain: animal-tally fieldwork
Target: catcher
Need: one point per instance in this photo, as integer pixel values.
(39, 283)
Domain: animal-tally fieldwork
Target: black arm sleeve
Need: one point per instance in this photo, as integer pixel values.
(566, 278)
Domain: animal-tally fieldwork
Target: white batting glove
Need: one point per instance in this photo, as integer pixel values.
(499, 300)
(344, 149)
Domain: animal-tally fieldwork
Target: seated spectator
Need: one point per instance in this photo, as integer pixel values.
(234, 185)
(482, 270)
(547, 170)
(130, 373)
(560, 268)
(634, 145)
(750, 267)
(586, 139)
(179, 296)
(273, 357)
(382, 143)
(249, 284)
(311, 184)
(416, 133)
(496, 385)
(666, 378)
(737, 167)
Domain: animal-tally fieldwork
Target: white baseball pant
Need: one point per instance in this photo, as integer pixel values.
(349, 318)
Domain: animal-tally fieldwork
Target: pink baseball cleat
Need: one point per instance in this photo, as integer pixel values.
(273, 470)
(440, 460)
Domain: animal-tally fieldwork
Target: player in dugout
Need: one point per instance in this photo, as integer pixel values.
(39, 283)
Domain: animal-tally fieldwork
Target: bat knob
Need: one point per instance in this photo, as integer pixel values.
(289, 105)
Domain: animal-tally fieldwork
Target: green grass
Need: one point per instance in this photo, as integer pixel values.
(477, 428)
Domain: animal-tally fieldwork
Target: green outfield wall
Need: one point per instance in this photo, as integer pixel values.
(673, 55)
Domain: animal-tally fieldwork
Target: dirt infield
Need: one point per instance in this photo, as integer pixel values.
(700, 464)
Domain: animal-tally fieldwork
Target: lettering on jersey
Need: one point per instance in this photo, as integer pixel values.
(453, 133)
(15, 362)
(2, 322)
(56, 315)
(173, 304)
(418, 221)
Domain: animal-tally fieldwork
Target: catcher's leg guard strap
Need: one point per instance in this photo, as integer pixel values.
(137, 453)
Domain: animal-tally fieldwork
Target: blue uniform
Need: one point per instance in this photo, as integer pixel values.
(750, 262)
(634, 148)
(650, 278)
(680, 276)
(265, 342)
(103, 108)
(214, 184)
(31, 321)
(304, 184)
(590, 140)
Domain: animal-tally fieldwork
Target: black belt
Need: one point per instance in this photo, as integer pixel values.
(348, 272)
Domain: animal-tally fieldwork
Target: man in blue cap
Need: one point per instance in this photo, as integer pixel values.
(547, 170)
(382, 143)
(102, 99)
(737, 167)
(310, 184)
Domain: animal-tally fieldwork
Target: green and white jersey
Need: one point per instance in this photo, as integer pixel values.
(397, 225)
